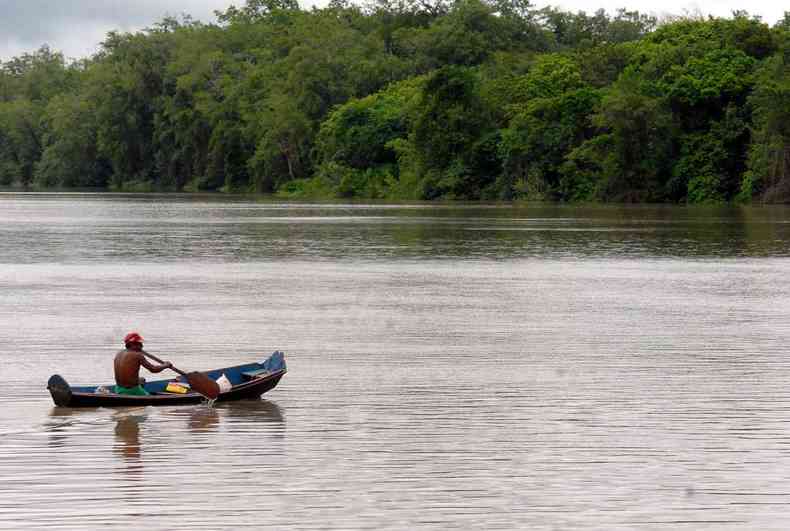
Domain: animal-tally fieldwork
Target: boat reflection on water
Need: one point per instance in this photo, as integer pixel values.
(130, 424)
(199, 421)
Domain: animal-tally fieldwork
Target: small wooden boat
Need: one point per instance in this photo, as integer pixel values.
(247, 381)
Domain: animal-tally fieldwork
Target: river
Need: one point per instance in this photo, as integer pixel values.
(450, 366)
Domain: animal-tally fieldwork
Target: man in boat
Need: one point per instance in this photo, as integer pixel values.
(128, 363)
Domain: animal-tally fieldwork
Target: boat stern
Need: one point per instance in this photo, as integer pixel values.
(60, 390)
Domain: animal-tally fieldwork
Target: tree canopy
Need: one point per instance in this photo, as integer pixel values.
(412, 99)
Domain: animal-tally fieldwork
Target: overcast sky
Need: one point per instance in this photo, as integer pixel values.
(77, 26)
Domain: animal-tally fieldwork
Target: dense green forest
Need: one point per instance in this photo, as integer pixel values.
(471, 99)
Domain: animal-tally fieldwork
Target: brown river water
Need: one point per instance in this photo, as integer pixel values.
(450, 366)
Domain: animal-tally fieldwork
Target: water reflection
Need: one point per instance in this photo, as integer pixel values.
(127, 442)
(252, 411)
(248, 231)
(203, 419)
(62, 420)
(70, 414)
(127, 434)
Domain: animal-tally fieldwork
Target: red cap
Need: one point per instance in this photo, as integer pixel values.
(133, 337)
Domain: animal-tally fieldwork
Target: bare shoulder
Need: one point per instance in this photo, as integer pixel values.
(128, 355)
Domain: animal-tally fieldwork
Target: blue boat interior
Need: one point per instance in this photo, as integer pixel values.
(236, 375)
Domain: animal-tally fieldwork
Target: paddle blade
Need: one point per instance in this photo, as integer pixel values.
(203, 385)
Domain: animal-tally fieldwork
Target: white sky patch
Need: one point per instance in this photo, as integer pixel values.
(84, 42)
(76, 27)
(11, 48)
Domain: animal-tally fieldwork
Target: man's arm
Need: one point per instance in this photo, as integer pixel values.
(154, 368)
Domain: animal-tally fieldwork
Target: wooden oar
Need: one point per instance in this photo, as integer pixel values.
(197, 380)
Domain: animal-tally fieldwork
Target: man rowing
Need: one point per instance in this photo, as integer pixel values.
(128, 363)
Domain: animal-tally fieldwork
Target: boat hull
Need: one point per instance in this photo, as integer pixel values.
(244, 387)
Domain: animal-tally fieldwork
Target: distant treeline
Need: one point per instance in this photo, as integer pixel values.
(472, 99)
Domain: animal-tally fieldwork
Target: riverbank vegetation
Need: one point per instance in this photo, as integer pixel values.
(472, 99)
